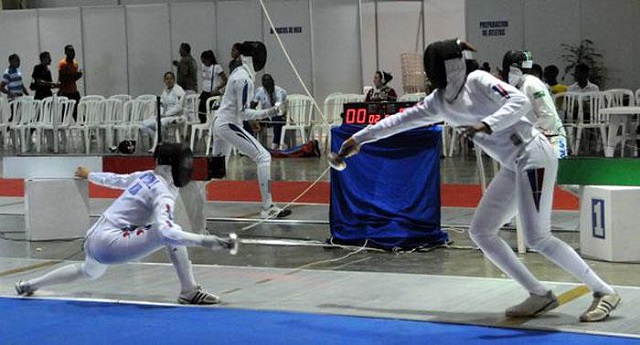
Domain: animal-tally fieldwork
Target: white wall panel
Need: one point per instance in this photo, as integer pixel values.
(614, 32)
(399, 31)
(20, 36)
(70, 3)
(336, 59)
(237, 21)
(149, 47)
(105, 44)
(291, 15)
(59, 27)
(368, 43)
(193, 23)
(444, 19)
(545, 16)
(491, 48)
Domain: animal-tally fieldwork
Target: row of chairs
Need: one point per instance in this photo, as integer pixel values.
(105, 121)
(580, 112)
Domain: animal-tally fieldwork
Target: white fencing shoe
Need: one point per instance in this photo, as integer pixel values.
(601, 307)
(533, 305)
(198, 297)
(23, 289)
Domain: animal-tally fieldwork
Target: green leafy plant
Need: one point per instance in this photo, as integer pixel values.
(585, 53)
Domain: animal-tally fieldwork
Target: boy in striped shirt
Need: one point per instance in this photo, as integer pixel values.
(11, 83)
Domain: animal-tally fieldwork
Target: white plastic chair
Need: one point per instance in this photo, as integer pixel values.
(589, 117)
(412, 97)
(622, 98)
(178, 125)
(619, 98)
(122, 97)
(298, 117)
(356, 97)
(126, 123)
(90, 114)
(567, 108)
(5, 111)
(56, 115)
(332, 108)
(114, 108)
(190, 105)
(25, 115)
(200, 130)
(93, 98)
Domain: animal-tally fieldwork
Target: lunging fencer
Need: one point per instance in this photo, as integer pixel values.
(495, 116)
(139, 223)
(236, 108)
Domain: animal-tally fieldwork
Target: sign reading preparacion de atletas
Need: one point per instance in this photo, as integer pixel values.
(494, 27)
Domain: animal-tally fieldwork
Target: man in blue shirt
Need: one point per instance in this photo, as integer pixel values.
(11, 83)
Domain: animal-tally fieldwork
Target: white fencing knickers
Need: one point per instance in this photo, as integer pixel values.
(226, 135)
(529, 190)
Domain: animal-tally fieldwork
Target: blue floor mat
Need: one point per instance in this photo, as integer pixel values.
(38, 321)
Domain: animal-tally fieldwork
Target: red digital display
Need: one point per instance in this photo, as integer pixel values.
(369, 113)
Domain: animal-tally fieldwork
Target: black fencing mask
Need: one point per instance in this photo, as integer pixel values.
(257, 51)
(180, 158)
(445, 66)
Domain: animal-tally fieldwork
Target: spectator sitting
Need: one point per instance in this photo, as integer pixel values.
(551, 78)
(267, 96)
(381, 92)
(171, 107)
(536, 71)
(582, 84)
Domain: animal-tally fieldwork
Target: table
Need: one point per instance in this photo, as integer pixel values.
(620, 117)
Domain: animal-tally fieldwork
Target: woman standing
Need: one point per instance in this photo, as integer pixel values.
(213, 81)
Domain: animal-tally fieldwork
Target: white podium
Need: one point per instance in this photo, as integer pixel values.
(56, 208)
(609, 223)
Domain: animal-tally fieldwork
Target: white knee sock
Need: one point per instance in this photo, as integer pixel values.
(264, 178)
(65, 274)
(564, 256)
(180, 260)
(499, 252)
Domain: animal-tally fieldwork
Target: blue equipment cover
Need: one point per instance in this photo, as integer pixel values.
(389, 194)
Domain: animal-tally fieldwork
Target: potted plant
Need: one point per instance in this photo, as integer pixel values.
(585, 53)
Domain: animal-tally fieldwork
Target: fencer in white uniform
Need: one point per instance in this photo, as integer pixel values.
(544, 115)
(235, 108)
(495, 116)
(139, 223)
(171, 110)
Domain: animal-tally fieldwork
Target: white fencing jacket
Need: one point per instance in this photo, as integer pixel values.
(484, 98)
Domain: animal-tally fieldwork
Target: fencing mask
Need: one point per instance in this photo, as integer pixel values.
(257, 51)
(445, 66)
(514, 63)
(180, 158)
